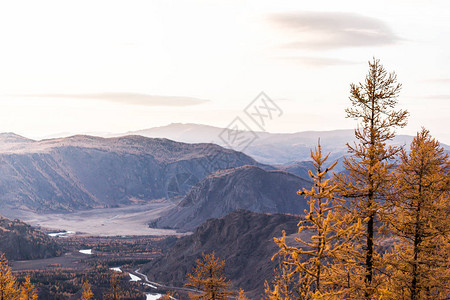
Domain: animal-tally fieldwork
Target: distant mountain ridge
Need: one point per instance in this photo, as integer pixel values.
(248, 187)
(269, 148)
(82, 172)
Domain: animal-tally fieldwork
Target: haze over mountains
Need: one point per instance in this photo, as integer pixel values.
(269, 148)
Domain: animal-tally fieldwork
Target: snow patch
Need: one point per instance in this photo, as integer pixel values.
(60, 234)
(86, 251)
(116, 269)
(150, 285)
(153, 296)
(134, 277)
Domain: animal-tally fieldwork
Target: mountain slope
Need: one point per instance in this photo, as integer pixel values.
(243, 239)
(20, 241)
(246, 187)
(84, 171)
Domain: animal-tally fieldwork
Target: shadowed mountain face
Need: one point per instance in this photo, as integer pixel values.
(19, 241)
(242, 238)
(247, 187)
(84, 172)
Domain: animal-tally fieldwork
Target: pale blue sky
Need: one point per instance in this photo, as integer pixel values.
(115, 66)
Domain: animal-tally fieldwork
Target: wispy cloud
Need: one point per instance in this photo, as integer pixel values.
(331, 30)
(316, 61)
(129, 98)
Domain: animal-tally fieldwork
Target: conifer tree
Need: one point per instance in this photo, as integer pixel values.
(87, 293)
(368, 174)
(8, 285)
(420, 206)
(208, 277)
(304, 271)
(28, 291)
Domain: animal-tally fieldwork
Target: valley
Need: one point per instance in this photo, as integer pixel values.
(96, 258)
(123, 221)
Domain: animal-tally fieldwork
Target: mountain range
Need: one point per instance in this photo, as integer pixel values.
(82, 172)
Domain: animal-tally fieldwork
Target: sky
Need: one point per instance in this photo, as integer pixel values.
(117, 66)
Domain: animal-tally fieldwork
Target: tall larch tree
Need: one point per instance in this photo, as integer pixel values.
(368, 169)
(208, 277)
(420, 206)
(9, 289)
(304, 271)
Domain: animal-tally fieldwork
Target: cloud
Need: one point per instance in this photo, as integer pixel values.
(130, 98)
(316, 61)
(332, 30)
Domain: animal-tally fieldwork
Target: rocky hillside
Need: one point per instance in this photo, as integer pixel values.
(247, 187)
(244, 239)
(84, 171)
(20, 241)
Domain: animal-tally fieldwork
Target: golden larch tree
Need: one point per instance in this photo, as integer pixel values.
(9, 289)
(420, 207)
(366, 181)
(27, 290)
(86, 293)
(304, 266)
(208, 277)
